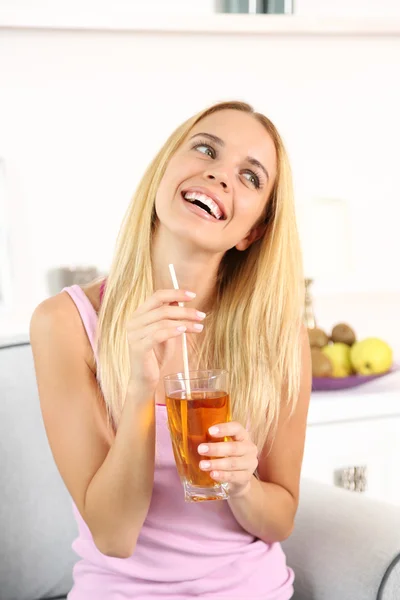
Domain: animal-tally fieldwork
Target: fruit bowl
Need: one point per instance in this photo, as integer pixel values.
(328, 384)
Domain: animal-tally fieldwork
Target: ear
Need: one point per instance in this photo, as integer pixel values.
(254, 234)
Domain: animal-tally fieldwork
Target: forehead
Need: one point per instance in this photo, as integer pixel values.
(241, 132)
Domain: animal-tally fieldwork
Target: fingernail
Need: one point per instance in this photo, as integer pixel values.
(202, 449)
(213, 430)
(200, 314)
(198, 327)
(190, 294)
(205, 464)
(181, 328)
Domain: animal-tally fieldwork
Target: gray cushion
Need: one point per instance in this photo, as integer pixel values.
(36, 520)
(390, 584)
(344, 546)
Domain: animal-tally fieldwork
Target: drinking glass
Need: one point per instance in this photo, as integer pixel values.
(194, 404)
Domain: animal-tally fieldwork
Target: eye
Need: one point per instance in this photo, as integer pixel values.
(252, 178)
(205, 149)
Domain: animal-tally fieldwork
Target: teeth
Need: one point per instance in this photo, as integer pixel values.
(213, 206)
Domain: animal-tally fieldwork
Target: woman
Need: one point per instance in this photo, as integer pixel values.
(217, 203)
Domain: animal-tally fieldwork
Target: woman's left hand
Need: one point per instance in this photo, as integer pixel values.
(239, 460)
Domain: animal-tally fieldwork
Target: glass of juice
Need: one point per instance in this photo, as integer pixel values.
(194, 404)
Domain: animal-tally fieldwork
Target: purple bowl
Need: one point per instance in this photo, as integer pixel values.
(328, 384)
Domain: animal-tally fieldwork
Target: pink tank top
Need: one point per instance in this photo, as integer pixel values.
(184, 550)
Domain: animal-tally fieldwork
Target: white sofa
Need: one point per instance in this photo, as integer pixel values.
(344, 547)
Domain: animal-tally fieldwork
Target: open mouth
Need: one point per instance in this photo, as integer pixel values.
(205, 203)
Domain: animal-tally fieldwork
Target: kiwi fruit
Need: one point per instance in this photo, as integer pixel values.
(321, 364)
(317, 338)
(343, 333)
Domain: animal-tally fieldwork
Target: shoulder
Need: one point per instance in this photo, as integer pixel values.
(56, 321)
(54, 313)
(304, 339)
(305, 347)
(60, 310)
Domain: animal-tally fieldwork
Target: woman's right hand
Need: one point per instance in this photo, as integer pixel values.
(152, 332)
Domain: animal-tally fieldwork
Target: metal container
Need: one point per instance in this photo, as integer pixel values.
(274, 7)
(61, 277)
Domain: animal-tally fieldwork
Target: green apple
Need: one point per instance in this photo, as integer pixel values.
(371, 356)
(339, 355)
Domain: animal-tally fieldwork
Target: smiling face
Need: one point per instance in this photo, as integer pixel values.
(216, 186)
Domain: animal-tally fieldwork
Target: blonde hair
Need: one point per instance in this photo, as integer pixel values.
(253, 330)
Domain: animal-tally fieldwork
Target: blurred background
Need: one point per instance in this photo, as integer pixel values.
(89, 90)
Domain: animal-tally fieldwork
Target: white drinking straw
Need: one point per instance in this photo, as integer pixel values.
(184, 340)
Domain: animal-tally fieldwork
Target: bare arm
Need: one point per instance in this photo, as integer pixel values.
(109, 476)
(268, 506)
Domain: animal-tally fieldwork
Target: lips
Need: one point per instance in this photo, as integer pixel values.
(206, 200)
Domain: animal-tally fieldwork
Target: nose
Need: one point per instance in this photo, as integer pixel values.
(218, 177)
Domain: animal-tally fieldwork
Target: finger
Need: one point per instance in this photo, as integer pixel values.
(149, 331)
(225, 449)
(231, 429)
(238, 477)
(159, 337)
(161, 297)
(166, 312)
(231, 463)
(161, 332)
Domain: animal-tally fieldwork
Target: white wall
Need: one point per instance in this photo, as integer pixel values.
(165, 7)
(363, 8)
(348, 8)
(82, 113)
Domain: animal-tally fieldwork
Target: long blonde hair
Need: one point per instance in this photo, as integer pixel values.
(253, 330)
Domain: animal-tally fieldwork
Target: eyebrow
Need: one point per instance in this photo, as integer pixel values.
(210, 136)
(217, 140)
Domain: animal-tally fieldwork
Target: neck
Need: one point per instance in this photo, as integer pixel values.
(196, 270)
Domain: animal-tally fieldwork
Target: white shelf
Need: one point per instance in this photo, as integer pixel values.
(281, 25)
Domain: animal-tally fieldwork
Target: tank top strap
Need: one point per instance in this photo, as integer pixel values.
(86, 311)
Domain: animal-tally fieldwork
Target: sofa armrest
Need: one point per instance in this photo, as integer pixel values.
(345, 546)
